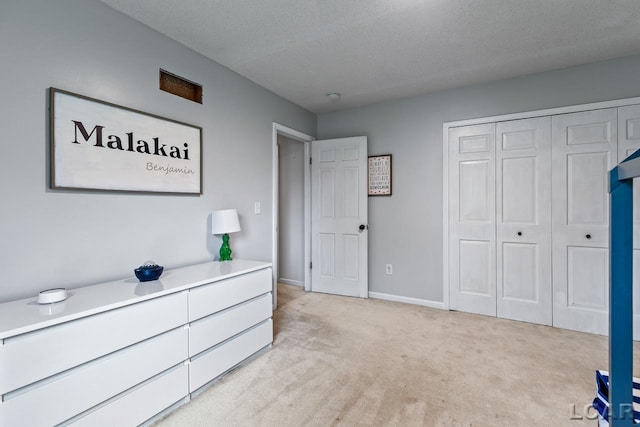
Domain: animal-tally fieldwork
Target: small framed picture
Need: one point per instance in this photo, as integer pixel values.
(380, 175)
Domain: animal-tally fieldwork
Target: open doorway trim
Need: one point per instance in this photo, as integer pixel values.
(279, 129)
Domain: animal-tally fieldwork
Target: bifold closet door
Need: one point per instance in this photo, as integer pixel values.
(523, 220)
(628, 143)
(584, 149)
(472, 219)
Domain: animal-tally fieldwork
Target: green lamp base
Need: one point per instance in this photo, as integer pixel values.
(225, 249)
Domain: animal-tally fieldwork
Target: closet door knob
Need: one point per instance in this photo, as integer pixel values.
(588, 236)
(519, 233)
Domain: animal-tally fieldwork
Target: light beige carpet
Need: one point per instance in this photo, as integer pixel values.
(340, 361)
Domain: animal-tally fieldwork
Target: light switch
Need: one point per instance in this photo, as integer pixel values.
(257, 209)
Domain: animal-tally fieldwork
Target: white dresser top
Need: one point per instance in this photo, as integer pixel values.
(21, 316)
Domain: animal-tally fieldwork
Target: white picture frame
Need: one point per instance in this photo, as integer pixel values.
(96, 145)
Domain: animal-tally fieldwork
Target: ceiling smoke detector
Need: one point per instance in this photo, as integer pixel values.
(333, 97)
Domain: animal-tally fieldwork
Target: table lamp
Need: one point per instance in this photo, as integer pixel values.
(225, 222)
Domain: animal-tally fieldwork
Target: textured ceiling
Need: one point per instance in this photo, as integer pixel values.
(376, 50)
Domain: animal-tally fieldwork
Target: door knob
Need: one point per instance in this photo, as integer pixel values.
(519, 233)
(588, 236)
(363, 227)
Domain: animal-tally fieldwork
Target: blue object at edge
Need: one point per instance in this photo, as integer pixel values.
(620, 300)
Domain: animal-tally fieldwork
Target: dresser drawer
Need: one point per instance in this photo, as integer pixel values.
(133, 409)
(208, 299)
(36, 355)
(214, 363)
(60, 398)
(207, 332)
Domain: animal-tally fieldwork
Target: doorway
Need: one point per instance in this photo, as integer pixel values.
(291, 211)
(291, 235)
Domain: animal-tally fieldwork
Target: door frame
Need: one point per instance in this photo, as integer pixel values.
(295, 135)
(481, 120)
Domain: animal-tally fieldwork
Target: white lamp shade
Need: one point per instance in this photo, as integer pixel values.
(225, 221)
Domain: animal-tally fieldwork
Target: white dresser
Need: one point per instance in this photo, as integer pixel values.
(122, 352)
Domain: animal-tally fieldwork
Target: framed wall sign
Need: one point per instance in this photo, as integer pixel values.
(380, 175)
(96, 145)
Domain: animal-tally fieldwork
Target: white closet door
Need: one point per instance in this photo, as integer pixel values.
(583, 151)
(523, 217)
(472, 265)
(628, 142)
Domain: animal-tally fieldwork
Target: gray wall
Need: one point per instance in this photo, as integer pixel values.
(406, 228)
(291, 211)
(66, 238)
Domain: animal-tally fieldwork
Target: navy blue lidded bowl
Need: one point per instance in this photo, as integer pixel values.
(148, 271)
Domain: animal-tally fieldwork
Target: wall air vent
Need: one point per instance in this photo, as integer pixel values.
(180, 87)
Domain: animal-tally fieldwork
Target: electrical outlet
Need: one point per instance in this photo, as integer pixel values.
(389, 269)
(256, 208)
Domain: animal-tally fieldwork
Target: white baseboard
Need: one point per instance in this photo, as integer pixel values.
(291, 282)
(407, 300)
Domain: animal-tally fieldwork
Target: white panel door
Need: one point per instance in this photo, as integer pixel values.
(339, 229)
(629, 142)
(472, 226)
(584, 149)
(523, 220)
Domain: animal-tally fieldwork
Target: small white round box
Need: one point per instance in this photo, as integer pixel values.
(52, 295)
